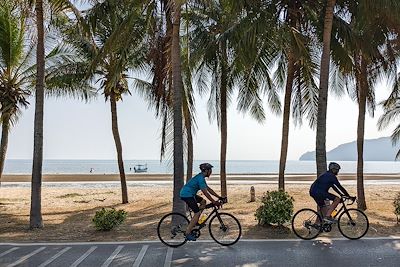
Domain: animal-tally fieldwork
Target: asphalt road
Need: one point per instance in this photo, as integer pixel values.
(246, 253)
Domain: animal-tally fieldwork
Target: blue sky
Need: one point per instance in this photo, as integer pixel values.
(76, 130)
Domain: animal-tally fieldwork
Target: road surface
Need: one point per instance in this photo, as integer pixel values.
(246, 253)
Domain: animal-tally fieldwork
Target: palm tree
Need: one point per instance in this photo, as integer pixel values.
(270, 34)
(36, 188)
(13, 96)
(323, 88)
(112, 46)
(177, 85)
(365, 62)
(296, 45)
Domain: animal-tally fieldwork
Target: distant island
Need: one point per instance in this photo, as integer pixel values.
(380, 149)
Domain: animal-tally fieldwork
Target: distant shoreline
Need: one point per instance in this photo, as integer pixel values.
(169, 177)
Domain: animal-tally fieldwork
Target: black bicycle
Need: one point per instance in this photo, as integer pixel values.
(352, 223)
(223, 227)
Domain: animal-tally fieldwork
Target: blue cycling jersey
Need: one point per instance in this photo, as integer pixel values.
(325, 182)
(195, 184)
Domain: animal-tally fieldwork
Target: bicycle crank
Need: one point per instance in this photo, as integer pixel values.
(196, 233)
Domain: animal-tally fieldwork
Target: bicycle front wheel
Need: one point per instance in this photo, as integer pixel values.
(353, 224)
(225, 229)
(171, 229)
(306, 224)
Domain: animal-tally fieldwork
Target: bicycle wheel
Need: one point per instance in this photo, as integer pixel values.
(306, 224)
(225, 229)
(171, 229)
(353, 224)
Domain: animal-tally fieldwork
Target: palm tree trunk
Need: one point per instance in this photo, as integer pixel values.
(361, 203)
(118, 146)
(224, 123)
(177, 203)
(5, 128)
(323, 89)
(36, 188)
(189, 164)
(286, 120)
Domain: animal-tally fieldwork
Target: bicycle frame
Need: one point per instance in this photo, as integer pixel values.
(208, 206)
(342, 208)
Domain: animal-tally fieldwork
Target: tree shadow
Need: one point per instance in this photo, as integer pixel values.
(77, 226)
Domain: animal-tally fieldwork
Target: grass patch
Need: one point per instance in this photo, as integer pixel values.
(70, 195)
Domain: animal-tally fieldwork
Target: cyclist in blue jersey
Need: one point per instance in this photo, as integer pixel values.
(188, 194)
(319, 191)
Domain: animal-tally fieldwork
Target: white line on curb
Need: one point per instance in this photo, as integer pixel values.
(8, 251)
(24, 258)
(140, 256)
(83, 257)
(198, 241)
(113, 255)
(54, 257)
(168, 257)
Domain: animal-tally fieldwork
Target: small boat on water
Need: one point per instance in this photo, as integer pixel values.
(140, 168)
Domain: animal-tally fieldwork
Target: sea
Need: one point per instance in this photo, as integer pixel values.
(20, 166)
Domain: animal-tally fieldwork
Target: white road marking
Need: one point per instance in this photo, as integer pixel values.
(140, 256)
(54, 257)
(83, 257)
(113, 255)
(168, 257)
(24, 258)
(198, 241)
(8, 251)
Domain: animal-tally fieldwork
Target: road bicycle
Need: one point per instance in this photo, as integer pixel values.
(223, 227)
(352, 223)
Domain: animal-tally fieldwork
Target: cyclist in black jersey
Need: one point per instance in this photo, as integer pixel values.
(320, 191)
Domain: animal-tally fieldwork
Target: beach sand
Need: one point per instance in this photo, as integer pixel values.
(169, 177)
(67, 212)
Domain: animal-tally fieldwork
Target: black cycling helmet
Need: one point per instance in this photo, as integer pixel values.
(205, 167)
(333, 166)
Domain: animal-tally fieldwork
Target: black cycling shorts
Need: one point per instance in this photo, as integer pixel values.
(192, 202)
(320, 197)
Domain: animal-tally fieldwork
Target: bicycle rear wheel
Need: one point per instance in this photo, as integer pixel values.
(171, 229)
(353, 224)
(225, 229)
(306, 224)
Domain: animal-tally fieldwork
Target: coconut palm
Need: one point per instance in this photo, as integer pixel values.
(13, 92)
(364, 62)
(211, 53)
(177, 85)
(64, 79)
(296, 45)
(36, 207)
(323, 88)
(112, 46)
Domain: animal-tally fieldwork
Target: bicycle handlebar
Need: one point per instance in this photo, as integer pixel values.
(352, 199)
(221, 200)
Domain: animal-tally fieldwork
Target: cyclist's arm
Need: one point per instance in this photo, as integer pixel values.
(212, 192)
(339, 188)
(205, 192)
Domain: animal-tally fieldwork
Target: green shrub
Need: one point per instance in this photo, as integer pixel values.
(107, 219)
(396, 204)
(276, 208)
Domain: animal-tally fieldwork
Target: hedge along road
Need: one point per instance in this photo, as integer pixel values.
(246, 253)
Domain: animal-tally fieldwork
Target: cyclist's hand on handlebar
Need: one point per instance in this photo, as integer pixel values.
(223, 199)
(216, 203)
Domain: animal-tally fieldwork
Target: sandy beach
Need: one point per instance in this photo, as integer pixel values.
(169, 177)
(67, 212)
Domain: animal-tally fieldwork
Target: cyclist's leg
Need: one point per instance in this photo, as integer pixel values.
(201, 201)
(336, 201)
(320, 206)
(192, 203)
